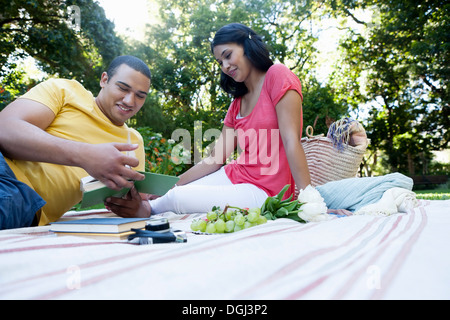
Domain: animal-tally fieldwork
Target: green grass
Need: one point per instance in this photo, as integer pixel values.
(435, 194)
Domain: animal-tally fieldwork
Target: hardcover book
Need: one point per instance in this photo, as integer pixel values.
(99, 225)
(98, 236)
(95, 192)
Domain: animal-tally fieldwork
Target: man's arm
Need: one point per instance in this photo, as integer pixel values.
(23, 137)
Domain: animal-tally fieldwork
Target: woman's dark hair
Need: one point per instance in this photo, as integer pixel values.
(254, 48)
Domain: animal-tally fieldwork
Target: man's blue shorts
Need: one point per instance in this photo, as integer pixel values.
(18, 202)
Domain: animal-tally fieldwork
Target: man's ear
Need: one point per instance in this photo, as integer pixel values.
(104, 79)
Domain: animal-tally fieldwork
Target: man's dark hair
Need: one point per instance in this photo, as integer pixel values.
(131, 61)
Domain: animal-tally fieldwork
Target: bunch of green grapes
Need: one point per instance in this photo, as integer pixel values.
(231, 219)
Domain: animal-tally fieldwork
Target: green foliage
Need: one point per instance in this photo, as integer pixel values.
(161, 156)
(319, 106)
(400, 65)
(46, 31)
(11, 86)
(274, 207)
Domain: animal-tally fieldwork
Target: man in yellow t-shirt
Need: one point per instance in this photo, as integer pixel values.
(58, 132)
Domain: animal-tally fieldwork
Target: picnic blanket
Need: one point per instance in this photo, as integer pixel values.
(397, 256)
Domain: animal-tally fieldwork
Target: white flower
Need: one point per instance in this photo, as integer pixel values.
(310, 194)
(314, 208)
(170, 141)
(313, 212)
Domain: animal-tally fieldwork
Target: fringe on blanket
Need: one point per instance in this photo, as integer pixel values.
(394, 200)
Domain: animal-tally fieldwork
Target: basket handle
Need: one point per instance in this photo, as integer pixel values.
(310, 131)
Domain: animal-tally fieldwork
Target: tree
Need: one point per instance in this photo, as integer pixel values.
(320, 107)
(70, 39)
(404, 59)
(185, 74)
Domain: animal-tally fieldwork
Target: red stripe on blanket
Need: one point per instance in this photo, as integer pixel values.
(372, 261)
(13, 237)
(316, 283)
(153, 260)
(287, 269)
(394, 226)
(7, 286)
(25, 236)
(57, 246)
(401, 257)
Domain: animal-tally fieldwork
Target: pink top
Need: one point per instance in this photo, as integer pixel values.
(263, 161)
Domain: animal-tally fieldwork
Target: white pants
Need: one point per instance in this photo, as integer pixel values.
(212, 190)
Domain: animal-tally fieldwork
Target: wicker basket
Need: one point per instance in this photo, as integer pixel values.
(327, 162)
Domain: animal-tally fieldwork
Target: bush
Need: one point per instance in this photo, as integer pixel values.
(160, 155)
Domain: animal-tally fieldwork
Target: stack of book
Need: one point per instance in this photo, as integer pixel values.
(99, 228)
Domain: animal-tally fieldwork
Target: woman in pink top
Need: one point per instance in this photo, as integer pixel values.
(264, 121)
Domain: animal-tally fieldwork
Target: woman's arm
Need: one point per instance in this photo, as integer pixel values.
(289, 114)
(223, 148)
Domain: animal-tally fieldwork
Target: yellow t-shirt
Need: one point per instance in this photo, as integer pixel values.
(77, 118)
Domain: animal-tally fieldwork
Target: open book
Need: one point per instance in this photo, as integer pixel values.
(95, 192)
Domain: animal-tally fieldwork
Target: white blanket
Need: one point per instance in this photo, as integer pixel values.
(400, 256)
(393, 200)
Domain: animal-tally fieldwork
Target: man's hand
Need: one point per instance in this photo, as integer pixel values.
(108, 164)
(131, 206)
